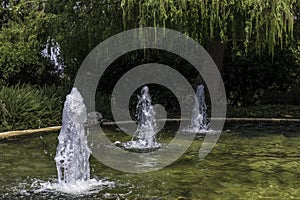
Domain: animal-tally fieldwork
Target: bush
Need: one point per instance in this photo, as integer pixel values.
(250, 80)
(26, 107)
(103, 105)
(4, 113)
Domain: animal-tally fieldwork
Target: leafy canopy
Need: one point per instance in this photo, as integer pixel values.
(266, 22)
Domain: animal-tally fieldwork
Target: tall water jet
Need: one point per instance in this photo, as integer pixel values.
(72, 155)
(199, 123)
(146, 129)
(145, 135)
(73, 152)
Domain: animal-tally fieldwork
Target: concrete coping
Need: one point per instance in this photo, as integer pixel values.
(10, 134)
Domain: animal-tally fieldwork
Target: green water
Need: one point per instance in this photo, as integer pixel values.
(248, 162)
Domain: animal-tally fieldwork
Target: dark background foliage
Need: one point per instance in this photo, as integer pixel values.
(257, 70)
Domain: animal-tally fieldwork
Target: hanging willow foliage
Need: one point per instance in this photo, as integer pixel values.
(266, 22)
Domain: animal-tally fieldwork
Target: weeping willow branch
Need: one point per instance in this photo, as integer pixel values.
(266, 22)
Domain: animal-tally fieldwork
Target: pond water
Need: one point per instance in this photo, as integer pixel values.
(259, 161)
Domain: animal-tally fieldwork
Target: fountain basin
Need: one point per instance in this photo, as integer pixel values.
(249, 162)
(199, 132)
(139, 146)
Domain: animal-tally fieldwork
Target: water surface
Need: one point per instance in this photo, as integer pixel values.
(249, 162)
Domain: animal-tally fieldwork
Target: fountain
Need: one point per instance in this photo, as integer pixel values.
(73, 152)
(199, 123)
(72, 155)
(144, 139)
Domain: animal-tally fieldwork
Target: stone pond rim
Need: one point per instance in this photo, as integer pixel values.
(11, 134)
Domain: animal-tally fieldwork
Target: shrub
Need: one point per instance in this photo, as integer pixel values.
(4, 113)
(103, 105)
(26, 107)
(250, 80)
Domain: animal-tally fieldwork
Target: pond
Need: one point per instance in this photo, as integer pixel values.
(250, 161)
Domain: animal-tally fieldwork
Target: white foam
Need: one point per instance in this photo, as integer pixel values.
(74, 188)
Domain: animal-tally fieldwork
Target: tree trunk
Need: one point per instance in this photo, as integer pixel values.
(216, 49)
